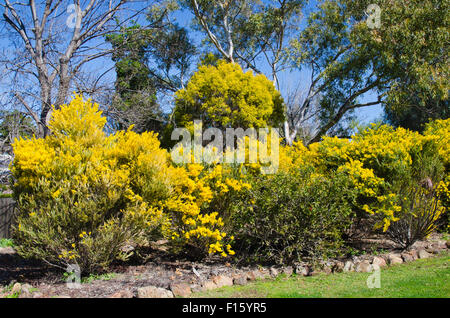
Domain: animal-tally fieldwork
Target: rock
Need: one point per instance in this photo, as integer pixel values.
(423, 254)
(327, 269)
(302, 270)
(364, 267)
(62, 296)
(265, 273)
(7, 250)
(379, 261)
(447, 244)
(153, 292)
(240, 279)
(338, 267)
(349, 266)
(274, 272)
(407, 257)
(413, 253)
(26, 288)
(395, 259)
(254, 275)
(434, 250)
(440, 245)
(288, 271)
(180, 289)
(16, 289)
(251, 275)
(222, 280)
(126, 293)
(195, 288)
(25, 291)
(208, 285)
(38, 295)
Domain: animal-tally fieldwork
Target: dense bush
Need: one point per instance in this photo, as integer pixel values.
(388, 167)
(83, 196)
(224, 96)
(288, 217)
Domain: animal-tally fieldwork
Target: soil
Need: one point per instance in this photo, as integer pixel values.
(49, 282)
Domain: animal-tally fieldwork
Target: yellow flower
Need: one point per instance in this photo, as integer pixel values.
(56, 194)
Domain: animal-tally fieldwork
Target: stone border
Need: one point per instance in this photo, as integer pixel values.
(364, 263)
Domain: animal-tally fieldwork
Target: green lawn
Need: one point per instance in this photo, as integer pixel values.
(428, 278)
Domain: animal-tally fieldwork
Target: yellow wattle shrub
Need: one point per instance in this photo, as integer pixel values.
(440, 129)
(380, 160)
(84, 196)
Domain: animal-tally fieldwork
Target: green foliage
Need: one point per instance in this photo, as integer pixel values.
(93, 277)
(287, 217)
(135, 99)
(6, 242)
(149, 59)
(15, 124)
(417, 113)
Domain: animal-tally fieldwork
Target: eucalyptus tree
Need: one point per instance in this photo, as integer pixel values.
(152, 60)
(390, 48)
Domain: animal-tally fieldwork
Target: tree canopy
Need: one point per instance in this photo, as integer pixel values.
(224, 96)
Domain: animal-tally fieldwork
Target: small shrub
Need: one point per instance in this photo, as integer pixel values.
(287, 217)
(420, 196)
(421, 209)
(6, 242)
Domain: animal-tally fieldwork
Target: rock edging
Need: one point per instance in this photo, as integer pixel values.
(364, 263)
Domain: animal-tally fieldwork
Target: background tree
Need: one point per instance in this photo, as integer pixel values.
(224, 96)
(150, 61)
(347, 58)
(54, 42)
(14, 124)
(416, 113)
(251, 33)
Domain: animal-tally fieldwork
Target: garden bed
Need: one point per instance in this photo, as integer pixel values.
(163, 277)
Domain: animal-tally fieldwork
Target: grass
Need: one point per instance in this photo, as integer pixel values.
(89, 279)
(92, 277)
(424, 278)
(6, 242)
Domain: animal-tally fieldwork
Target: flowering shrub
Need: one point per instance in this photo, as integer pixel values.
(441, 130)
(386, 166)
(196, 208)
(84, 196)
(224, 96)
